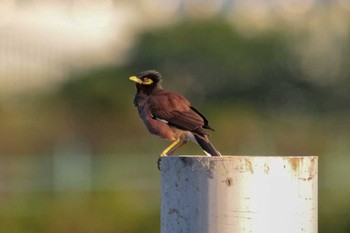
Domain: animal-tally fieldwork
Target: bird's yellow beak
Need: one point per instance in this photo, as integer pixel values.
(135, 79)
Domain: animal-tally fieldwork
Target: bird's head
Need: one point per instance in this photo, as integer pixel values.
(147, 81)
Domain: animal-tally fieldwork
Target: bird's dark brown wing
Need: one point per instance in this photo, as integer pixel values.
(206, 123)
(176, 111)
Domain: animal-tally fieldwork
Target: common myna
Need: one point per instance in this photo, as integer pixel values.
(170, 115)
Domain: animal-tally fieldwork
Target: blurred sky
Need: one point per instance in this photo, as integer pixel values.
(42, 41)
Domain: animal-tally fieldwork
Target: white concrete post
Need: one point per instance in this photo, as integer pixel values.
(239, 194)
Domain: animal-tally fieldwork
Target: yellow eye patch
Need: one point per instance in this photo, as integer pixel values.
(147, 81)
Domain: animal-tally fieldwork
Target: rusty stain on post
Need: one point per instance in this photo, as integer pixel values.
(307, 163)
(249, 166)
(294, 163)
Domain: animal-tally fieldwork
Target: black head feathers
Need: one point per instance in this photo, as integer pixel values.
(154, 75)
(147, 81)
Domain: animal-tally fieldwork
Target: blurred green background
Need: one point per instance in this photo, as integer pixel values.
(271, 76)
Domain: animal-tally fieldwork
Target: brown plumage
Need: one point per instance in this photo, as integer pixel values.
(170, 115)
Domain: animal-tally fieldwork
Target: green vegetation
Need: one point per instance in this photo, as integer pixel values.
(124, 212)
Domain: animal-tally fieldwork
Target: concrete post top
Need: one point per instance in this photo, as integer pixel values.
(304, 167)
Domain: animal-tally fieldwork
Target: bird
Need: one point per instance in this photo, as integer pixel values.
(170, 115)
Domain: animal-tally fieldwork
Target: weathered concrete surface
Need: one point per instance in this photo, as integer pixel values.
(239, 194)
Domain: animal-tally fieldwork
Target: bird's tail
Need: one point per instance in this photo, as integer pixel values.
(207, 147)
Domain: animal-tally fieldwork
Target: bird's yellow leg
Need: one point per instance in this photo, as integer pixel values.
(178, 146)
(165, 152)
